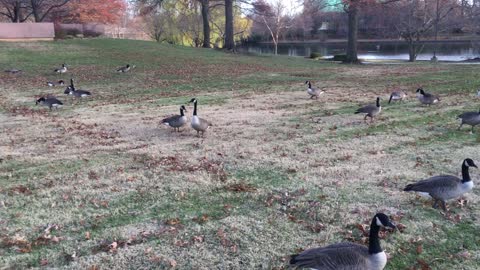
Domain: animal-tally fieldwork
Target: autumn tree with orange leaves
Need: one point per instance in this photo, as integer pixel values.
(94, 11)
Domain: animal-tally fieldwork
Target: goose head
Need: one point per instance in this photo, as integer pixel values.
(378, 102)
(68, 90)
(383, 221)
(193, 100)
(420, 91)
(183, 108)
(468, 162)
(128, 65)
(61, 82)
(40, 100)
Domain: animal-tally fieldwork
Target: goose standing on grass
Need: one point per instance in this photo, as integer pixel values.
(13, 71)
(199, 124)
(124, 69)
(397, 96)
(469, 118)
(348, 255)
(76, 93)
(445, 187)
(49, 102)
(176, 121)
(312, 91)
(370, 110)
(63, 69)
(426, 98)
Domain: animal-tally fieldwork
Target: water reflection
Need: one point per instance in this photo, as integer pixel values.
(446, 51)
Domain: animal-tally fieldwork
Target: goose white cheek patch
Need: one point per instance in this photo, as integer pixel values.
(379, 223)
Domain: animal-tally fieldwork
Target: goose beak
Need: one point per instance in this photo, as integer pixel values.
(391, 225)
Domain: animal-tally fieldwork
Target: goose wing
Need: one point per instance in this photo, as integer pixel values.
(435, 184)
(469, 115)
(171, 119)
(52, 100)
(367, 109)
(341, 256)
(83, 92)
(205, 123)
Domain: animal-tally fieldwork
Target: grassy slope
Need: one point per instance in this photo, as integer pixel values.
(277, 173)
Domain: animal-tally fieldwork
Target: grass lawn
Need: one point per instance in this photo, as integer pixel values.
(100, 184)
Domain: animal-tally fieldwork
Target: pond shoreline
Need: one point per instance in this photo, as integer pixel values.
(382, 41)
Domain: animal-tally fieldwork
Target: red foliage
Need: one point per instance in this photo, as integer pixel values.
(94, 11)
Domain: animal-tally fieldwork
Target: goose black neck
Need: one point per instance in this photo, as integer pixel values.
(309, 85)
(378, 102)
(465, 173)
(373, 241)
(195, 107)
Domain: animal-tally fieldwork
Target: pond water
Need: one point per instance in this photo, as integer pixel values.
(446, 51)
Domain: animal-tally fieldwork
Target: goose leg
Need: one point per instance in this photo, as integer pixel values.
(444, 205)
(435, 203)
(460, 126)
(198, 133)
(472, 129)
(365, 118)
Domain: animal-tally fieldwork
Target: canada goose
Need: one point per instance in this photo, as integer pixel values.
(426, 98)
(125, 68)
(13, 71)
(348, 255)
(61, 82)
(199, 124)
(469, 118)
(312, 91)
(176, 121)
(370, 110)
(51, 84)
(63, 69)
(50, 102)
(397, 96)
(76, 93)
(445, 187)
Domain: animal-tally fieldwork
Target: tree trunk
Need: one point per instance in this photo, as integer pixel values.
(352, 34)
(412, 51)
(35, 11)
(206, 23)
(17, 12)
(229, 40)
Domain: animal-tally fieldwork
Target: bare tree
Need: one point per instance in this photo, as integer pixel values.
(15, 10)
(273, 17)
(417, 19)
(41, 8)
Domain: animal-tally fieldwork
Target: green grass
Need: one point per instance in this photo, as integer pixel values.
(276, 173)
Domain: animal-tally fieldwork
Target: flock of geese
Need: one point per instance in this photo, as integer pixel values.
(344, 255)
(440, 188)
(51, 101)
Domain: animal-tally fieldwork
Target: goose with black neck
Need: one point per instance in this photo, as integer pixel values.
(445, 187)
(348, 255)
(199, 124)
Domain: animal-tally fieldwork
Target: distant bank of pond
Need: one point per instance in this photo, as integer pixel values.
(392, 50)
